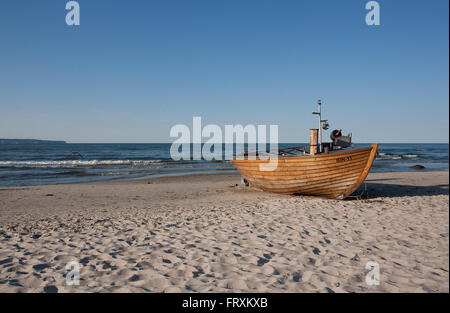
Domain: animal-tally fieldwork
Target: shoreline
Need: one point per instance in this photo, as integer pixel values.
(208, 233)
(125, 179)
(192, 174)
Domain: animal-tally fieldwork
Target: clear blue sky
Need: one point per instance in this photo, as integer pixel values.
(133, 69)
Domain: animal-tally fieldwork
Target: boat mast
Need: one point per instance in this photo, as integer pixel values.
(319, 103)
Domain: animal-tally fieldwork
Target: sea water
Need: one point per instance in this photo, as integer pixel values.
(37, 163)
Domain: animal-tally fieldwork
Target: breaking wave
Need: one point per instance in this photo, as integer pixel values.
(388, 156)
(76, 163)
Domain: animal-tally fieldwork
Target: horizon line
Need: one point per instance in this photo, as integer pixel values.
(165, 142)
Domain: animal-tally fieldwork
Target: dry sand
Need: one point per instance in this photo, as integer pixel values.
(204, 233)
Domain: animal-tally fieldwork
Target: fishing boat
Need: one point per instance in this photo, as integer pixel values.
(331, 170)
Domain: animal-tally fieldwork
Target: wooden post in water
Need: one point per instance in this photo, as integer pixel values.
(313, 137)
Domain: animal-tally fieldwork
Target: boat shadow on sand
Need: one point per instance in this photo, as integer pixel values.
(372, 189)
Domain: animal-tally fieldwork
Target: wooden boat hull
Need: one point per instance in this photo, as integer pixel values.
(334, 175)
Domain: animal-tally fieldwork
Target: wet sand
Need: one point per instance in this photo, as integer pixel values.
(208, 233)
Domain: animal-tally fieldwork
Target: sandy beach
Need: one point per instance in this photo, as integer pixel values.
(208, 233)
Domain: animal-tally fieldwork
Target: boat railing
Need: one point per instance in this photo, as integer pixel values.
(283, 151)
(254, 152)
(293, 150)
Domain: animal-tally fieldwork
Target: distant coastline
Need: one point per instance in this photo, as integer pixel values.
(33, 141)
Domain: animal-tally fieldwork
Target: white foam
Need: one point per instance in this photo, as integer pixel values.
(389, 157)
(75, 163)
(410, 156)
